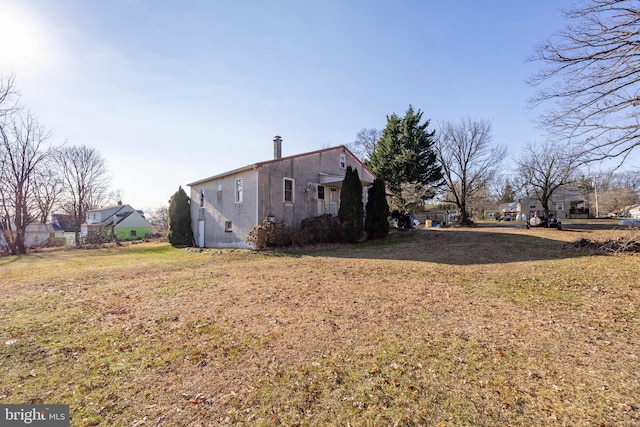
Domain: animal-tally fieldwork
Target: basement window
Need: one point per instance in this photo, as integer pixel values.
(228, 227)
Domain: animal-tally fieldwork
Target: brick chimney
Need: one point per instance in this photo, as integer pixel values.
(277, 147)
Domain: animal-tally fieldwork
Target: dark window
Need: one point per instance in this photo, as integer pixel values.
(321, 192)
(288, 190)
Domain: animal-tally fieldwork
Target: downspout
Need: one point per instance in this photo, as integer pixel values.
(255, 168)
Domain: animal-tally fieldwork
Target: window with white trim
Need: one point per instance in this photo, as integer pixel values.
(228, 226)
(288, 190)
(219, 192)
(343, 161)
(238, 190)
(560, 206)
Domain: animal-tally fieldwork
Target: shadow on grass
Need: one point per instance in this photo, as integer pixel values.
(457, 247)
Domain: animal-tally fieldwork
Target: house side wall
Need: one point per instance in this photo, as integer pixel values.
(136, 223)
(131, 233)
(219, 207)
(306, 172)
(135, 220)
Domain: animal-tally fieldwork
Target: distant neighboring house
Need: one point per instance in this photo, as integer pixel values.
(38, 235)
(65, 225)
(121, 222)
(634, 211)
(491, 213)
(436, 216)
(226, 207)
(565, 203)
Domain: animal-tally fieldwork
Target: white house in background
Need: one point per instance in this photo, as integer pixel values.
(226, 207)
(634, 211)
(38, 235)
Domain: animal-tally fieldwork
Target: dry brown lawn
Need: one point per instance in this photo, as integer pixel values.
(482, 327)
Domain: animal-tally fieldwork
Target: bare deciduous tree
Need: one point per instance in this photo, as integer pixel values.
(160, 218)
(47, 190)
(593, 72)
(85, 180)
(546, 167)
(365, 143)
(8, 96)
(23, 151)
(469, 160)
(616, 191)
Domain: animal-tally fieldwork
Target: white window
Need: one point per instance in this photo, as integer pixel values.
(560, 206)
(343, 161)
(238, 190)
(288, 190)
(219, 193)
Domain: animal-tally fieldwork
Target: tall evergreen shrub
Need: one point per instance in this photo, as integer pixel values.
(180, 231)
(351, 211)
(376, 222)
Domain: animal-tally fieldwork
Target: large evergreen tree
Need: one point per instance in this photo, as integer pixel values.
(508, 194)
(180, 231)
(405, 154)
(377, 220)
(351, 211)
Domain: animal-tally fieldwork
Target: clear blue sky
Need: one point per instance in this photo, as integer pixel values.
(173, 91)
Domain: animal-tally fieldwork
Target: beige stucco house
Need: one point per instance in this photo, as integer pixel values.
(226, 207)
(565, 203)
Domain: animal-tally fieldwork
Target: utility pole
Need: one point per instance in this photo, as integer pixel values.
(595, 189)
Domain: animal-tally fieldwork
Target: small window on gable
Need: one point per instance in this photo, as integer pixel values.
(320, 192)
(343, 161)
(228, 226)
(560, 206)
(202, 197)
(238, 190)
(532, 206)
(288, 190)
(219, 193)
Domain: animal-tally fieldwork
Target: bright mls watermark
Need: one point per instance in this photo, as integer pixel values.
(34, 415)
